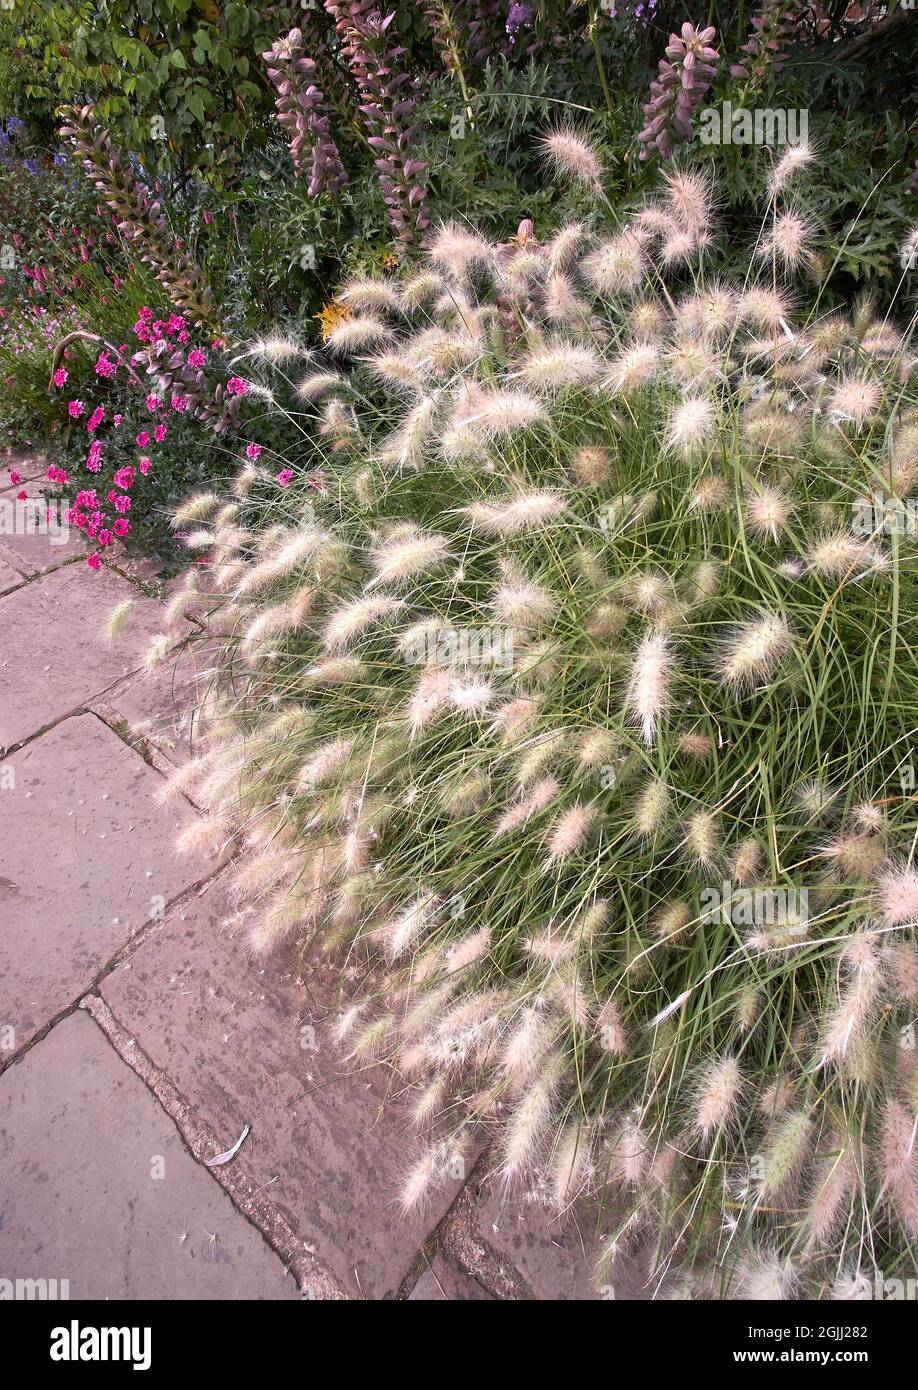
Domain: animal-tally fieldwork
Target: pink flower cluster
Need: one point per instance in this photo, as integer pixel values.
(104, 517)
(150, 330)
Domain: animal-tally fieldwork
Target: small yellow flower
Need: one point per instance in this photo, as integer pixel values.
(330, 316)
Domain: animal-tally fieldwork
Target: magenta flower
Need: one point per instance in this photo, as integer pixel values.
(122, 503)
(153, 402)
(105, 537)
(196, 357)
(60, 376)
(15, 477)
(124, 478)
(95, 419)
(143, 464)
(142, 439)
(252, 451)
(105, 366)
(160, 433)
(236, 386)
(75, 409)
(121, 526)
(284, 477)
(94, 561)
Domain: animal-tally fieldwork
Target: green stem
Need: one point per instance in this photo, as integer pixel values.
(600, 66)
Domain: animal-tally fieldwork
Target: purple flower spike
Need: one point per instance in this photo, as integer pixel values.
(301, 113)
(388, 97)
(683, 77)
(772, 27)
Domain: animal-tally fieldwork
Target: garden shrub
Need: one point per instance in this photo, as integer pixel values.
(575, 702)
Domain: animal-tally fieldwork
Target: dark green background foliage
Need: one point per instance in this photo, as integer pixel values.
(274, 257)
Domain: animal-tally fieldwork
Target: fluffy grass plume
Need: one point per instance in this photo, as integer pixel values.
(577, 706)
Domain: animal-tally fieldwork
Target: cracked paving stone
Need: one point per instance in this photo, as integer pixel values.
(245, 1044)
(87, 857)
(443, 1281)
(99, 1189)
(54, 657)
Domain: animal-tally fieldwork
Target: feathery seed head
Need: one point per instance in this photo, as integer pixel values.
(785, 169)
(854, 401)
(767, 512)
(592, 465)
(691, 426)
(651, 809)
(617, 266)
(649, 693)
(753, 651)
(716, 1098)
(571, 154)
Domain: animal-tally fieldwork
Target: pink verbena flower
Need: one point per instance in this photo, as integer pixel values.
(121, 526)
(143, 439)
(75, 409)
(94, 561)
(252, 451)
(284, 477)
(160, 433)
(105, 366)
(196, 358)
(95, 419)
(60, 377)
(124, 478)
(143, 463)
(236, 386)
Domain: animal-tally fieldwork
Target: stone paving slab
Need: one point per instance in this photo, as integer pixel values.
(33, 545)
(228, 1034)
(86, 857)
(99, 1189)
(445, 1282)
(555, 1253)
(158, 706)
(28, 466)
(554, 1257)
(10, 578)
(54, 657)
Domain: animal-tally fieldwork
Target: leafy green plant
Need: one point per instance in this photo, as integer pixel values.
(565, 682)
(178, 80)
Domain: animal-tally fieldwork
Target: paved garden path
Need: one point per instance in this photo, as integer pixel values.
(138, 1040)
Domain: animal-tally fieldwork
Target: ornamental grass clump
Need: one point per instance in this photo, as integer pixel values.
(577, 708)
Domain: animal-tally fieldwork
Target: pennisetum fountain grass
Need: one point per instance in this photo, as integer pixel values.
(576, 706)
